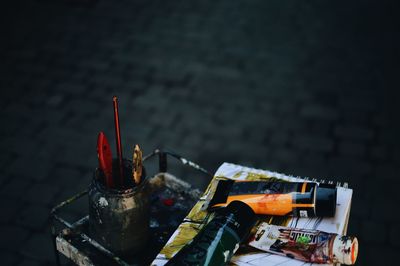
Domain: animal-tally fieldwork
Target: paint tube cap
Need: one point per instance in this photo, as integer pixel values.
(345, 249)
(244, 216)
(325, 204)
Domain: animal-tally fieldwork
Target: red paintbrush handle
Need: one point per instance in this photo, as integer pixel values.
(118, 139)
(105, 158)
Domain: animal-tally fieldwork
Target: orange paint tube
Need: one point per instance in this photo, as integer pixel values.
(301, 199)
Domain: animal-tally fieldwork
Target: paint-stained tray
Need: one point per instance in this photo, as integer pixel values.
(171, 198)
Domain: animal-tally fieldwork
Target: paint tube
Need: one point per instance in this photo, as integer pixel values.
(307, 245)
(300, 199)
(218, 240)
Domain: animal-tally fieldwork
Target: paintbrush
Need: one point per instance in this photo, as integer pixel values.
(105, 159)
(137, 164)
(118, 141)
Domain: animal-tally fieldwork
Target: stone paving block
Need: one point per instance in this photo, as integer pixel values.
(350, 167)
(394, 235)
(380, 120)
(13, 237)
(386, 189)
(278, 138)
(72, 88)
(41, 194)
(368, 235)
(319, 112)
(395, 150)
(379, 152)
(359, 103)
(319, 127)
(386, 170)
(64, 177)
(94, 65)
(10, 208)
(73, 158)
(20, 148)
(312, 143)
(388, 255)
(352, 148)
(15, 187)
(53, 117)
(38, 247)
(33, 216)
(83, 107)
(81, 206)
(355, 224)
(31, 167)
(30, 262)
(355, 118)
(293, 124)
(382, 210)
(9, 258)
(354, 133)
(284, 155)
(360, 204)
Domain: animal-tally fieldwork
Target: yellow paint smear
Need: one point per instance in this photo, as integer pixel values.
(186, 232)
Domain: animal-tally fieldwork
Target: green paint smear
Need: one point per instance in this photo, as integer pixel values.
(304, 240)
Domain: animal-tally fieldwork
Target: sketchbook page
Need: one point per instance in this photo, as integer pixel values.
(336, 224)
(264, 258)
(199, 216)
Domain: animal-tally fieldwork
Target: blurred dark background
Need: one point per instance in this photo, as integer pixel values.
(301, 87)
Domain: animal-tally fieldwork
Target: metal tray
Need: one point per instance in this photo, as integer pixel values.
(73, 239)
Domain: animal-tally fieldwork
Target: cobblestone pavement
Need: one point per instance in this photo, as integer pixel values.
(304, 88)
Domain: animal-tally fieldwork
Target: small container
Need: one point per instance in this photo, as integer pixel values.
(217, 241)
(119, 218)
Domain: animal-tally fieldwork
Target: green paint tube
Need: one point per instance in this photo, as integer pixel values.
(217, 241)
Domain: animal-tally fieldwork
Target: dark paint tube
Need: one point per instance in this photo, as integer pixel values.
(300, 199)
(218, 240)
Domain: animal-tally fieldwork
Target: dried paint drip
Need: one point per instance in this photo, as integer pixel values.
(103, 202)
(168, 202)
